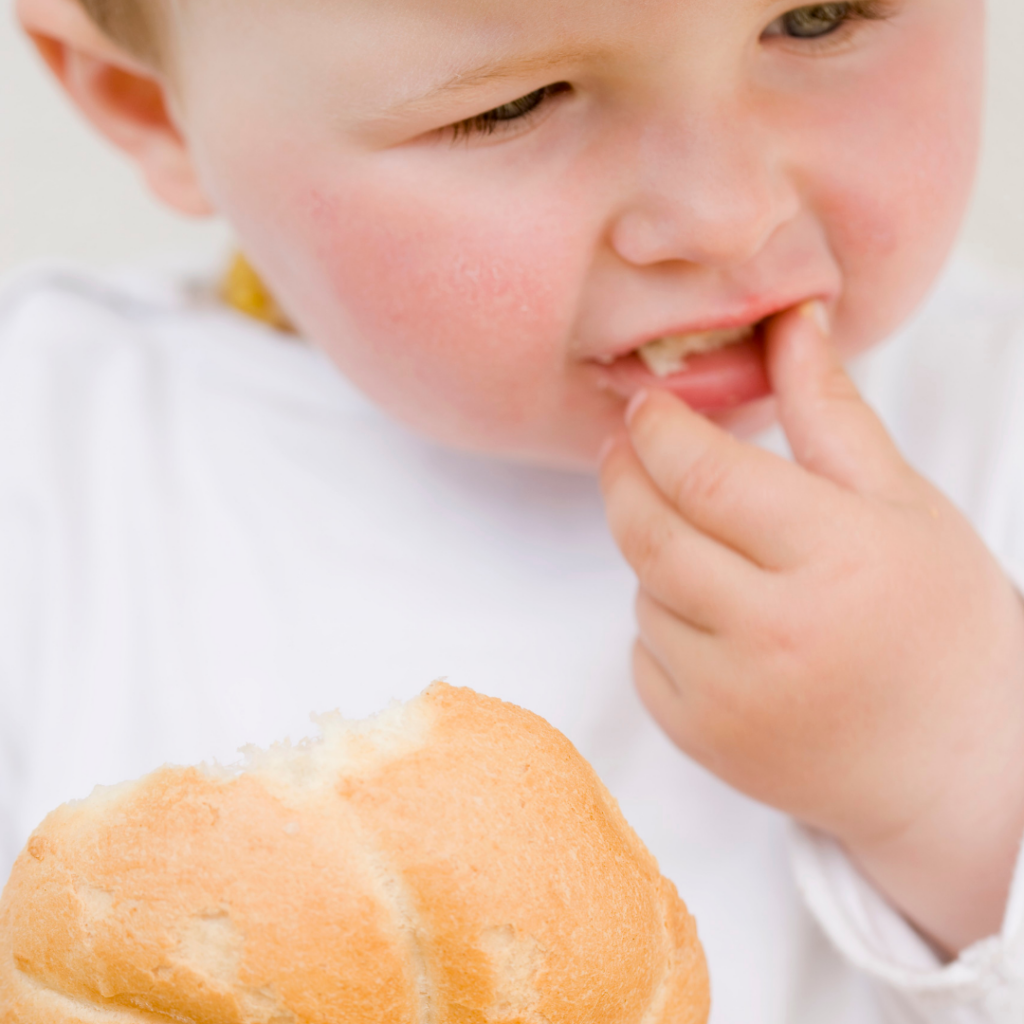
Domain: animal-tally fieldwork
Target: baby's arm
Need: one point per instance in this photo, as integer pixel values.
(831, 637)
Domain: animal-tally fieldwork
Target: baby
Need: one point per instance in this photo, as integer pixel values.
(623, 235)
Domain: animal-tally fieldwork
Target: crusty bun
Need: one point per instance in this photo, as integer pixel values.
(452, 861)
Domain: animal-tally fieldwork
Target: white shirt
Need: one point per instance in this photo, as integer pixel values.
(206, 534)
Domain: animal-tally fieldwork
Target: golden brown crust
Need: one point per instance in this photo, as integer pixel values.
(484, 876)
(208, 901)
(686, 998)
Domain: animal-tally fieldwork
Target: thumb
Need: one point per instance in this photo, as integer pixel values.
(832, 431)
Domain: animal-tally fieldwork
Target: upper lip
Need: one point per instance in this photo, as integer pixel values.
(749, 316)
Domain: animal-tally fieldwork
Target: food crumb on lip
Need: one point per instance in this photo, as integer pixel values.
(665, 356)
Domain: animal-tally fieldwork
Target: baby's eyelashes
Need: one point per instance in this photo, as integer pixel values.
(816, 21)
(504, 117)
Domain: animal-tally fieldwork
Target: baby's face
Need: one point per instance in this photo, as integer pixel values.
(621, 171)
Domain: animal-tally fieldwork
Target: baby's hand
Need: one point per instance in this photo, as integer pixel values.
(831, 637)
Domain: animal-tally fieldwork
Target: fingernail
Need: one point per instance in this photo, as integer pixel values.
(635, 404)
(816, 312)
(605, 451)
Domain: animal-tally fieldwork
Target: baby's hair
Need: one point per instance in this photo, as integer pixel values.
(135, 25)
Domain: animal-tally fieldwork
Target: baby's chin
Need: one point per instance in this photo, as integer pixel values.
(582, 455)
(554, 455)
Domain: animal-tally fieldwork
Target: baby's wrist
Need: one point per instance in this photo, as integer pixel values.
(947, 853)
(949, 871)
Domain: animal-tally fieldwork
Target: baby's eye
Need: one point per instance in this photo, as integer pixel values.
(495, 120)
(815, 21)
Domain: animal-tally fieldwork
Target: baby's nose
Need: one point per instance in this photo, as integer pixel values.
(710, 190)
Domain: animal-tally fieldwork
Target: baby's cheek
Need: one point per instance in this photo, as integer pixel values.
(456, 317)
(897, 185)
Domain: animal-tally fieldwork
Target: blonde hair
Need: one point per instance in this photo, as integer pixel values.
(135, 25)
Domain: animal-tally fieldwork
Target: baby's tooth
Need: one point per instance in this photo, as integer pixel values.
(665, 356)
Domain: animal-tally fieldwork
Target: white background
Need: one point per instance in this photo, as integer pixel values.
(64, 192)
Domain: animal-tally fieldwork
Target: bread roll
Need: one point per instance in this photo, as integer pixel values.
(452, 861)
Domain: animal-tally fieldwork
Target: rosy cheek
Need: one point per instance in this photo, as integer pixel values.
(896, 173)
(452, 308)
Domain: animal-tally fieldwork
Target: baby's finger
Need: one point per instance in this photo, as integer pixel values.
(680, 689)
(660, 693)
(699, 579)
(831, 429)
(769, 510)
(689, 654)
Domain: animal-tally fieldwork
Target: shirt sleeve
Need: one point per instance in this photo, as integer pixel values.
(984, 985)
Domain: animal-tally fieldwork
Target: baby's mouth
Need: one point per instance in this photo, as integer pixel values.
(709, 370)
(668, 355)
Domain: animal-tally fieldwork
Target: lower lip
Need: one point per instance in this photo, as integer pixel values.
(711, 382)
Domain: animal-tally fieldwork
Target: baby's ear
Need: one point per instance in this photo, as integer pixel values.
(129, 102)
